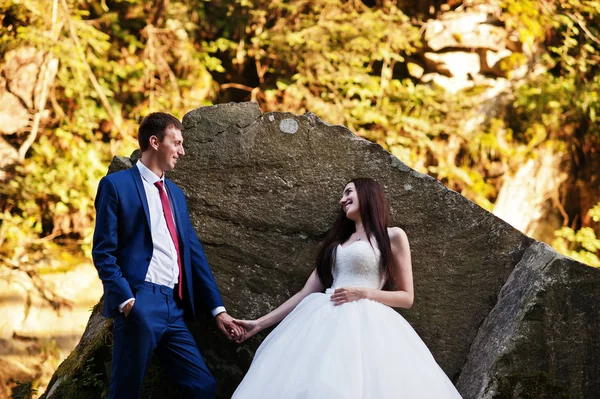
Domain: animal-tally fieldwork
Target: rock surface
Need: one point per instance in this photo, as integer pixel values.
(541, 338)
(261, 200)
(262, 191)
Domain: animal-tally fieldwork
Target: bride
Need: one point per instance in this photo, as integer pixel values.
(348, 342)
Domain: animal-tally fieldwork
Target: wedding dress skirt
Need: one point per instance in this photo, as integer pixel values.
(358, 350)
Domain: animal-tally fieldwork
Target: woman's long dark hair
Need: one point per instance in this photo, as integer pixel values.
(374, 215)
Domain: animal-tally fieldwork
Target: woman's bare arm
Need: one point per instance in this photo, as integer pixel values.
(251, 327)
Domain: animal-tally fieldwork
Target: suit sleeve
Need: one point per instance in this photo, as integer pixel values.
(105, 244)
(204, 281)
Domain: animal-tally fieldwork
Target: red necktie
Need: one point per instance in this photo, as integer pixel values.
(171, 226)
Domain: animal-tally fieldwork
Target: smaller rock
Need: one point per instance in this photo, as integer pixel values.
(455, 36)
(541, 336)
(119, 163)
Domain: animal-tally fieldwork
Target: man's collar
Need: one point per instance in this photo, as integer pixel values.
(147, 174)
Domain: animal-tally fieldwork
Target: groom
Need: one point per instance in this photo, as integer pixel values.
(153, 268)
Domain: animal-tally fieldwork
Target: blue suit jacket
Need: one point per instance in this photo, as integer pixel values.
(122, 246)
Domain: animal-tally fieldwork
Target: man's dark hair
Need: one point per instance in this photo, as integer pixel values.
(155, 124)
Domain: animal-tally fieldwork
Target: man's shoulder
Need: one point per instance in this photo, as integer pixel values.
(119, 176)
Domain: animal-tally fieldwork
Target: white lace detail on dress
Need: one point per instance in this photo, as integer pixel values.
(357, 265)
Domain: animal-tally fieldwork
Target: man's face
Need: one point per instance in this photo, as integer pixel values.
(170, 149)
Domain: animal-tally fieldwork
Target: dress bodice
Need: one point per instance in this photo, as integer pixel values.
(357, 265)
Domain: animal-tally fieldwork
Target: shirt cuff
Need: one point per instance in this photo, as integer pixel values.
(217, 310)
(121, 306)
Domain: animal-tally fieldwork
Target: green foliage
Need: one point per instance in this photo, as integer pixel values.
(344, 61)
(17, 15)
(89, 378)
(582, 245)
(561, 107)
(347, 63)
(110, 74)
(89, 381)
(52, 195)
(566, 100)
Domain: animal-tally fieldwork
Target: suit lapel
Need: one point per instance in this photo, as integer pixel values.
(139, 184)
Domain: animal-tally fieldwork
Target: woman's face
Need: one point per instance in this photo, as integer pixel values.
(349, 202)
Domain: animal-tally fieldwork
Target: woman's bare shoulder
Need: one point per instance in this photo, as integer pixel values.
(396, 233)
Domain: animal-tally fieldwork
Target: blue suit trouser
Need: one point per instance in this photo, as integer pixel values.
(155, 324)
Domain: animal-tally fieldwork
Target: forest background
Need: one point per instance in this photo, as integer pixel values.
(104, 65)
(345, 61)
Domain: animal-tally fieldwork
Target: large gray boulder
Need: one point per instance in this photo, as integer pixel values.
(262, 197)
(262, 191)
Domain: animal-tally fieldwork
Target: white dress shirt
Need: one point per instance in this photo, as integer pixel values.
(163, 268)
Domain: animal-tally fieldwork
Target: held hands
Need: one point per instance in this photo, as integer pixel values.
(349, 294)
(237, 330)
(228, 327)
(250, 327)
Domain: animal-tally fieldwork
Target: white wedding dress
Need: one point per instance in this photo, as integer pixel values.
(358, 350)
